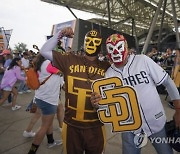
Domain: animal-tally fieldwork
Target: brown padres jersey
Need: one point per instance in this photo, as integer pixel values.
(79, 73)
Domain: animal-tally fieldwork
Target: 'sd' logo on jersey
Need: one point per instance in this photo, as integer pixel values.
(119, 105)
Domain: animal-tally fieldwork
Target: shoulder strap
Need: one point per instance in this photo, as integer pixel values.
(46, 79)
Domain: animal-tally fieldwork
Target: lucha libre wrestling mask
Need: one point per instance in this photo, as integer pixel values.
(117, 48)
(92, 43)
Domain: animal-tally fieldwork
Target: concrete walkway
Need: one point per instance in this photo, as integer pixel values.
(13, 123)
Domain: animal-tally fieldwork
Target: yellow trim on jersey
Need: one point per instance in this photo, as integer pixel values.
(64, 134)
(82, 95)
(104, 135)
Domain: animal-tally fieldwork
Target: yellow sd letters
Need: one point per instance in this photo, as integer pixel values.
(119, 105)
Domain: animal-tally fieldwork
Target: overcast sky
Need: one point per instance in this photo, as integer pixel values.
(32, 20)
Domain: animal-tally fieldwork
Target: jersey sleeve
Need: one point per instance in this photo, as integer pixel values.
(60, 60)
(157, 73)
(109, 72)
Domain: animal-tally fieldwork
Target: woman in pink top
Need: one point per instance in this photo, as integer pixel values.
(11, 75)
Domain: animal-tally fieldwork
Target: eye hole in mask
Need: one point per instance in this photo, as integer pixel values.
(119, 47)
(110, 48)
(87, 40)
(97, 41)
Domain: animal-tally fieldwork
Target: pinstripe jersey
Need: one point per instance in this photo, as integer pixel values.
(142, 73)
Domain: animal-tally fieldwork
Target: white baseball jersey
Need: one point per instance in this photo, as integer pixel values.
(144, 75)
(25, 62)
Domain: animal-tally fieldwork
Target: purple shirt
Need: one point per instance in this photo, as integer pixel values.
(11, 76)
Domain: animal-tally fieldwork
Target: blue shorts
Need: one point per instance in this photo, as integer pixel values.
(46, 108)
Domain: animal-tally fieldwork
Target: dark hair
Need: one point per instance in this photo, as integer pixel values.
(14, 63)
(38, 62)
(155, 47)
(25, 53)
(31, 51)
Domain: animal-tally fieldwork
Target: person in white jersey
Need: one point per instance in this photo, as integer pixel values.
(143, 74)
(25, 65)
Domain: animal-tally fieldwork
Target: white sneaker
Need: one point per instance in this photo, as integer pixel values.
(56, 142)
(28, 91)
(16, 107)
(29, 134)
(20, 92)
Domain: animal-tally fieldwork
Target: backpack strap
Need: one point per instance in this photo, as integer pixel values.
(43, 82)
(46, 79)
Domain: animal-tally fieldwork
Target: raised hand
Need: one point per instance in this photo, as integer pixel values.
(35, 47)
(66, 32)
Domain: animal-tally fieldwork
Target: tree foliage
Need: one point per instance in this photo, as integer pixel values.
(20, 47)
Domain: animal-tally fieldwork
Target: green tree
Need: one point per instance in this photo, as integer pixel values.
(20, 47)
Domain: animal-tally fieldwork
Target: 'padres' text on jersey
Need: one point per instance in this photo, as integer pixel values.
(141, 72)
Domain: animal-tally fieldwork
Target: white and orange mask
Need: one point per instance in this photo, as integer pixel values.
(117, 48)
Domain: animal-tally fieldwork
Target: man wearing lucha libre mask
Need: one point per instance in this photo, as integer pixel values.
(92, 43)
(82, 131)
(143, 74)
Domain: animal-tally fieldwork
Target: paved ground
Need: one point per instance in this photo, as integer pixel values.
(13, 123)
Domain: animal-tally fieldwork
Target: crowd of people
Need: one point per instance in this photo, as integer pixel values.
(170, 61)
(82, 132)
(12, 66)
(13, 83)
(164, 59)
